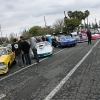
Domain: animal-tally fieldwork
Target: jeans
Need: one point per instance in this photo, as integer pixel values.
(19, 60)
(35, 55)
(23, 58)
(89, 40)
(27, 58)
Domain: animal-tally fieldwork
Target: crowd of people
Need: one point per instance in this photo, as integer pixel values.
(21, 50)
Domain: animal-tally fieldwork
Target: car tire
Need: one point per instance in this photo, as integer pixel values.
(8, 67)
(74, 45)
(59, 45)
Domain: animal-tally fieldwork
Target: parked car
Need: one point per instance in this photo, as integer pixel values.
(82, 37)
(95, 36)
(44, 49)
(4, 44)
(9, 45)
(66, 40)
(6, 59)
(74, 33)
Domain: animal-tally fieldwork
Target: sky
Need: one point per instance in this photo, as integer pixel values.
(18, 15)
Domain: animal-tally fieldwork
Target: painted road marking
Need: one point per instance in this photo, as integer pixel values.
(28, 66)
(2, 96)
(68, 75)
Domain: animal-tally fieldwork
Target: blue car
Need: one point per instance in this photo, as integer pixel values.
(65, 41)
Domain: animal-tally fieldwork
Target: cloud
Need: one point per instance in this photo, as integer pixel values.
(15, 16)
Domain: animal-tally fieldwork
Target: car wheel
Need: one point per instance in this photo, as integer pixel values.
(74, 45)
(8, 68)
(59, 45)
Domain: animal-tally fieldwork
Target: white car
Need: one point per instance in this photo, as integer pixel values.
(74, 33)
(44, 49)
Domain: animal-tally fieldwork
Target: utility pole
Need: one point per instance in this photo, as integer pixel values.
(1, 33)
(6, 38)
(95, 21)
(65, 23)
(45, 21)
(65, 14)
(99, 22)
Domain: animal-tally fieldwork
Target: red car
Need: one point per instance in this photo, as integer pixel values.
(95, 36)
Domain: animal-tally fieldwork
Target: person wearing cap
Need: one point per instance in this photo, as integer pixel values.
(25, 49)
(33, 42)
(18, 52)
(20, 43)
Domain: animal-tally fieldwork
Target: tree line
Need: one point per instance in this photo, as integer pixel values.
(68, 24)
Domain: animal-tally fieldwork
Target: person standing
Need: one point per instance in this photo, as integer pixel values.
(89, 36)
(20, 43)
(25, 50)
(33, 42)
(18, 53)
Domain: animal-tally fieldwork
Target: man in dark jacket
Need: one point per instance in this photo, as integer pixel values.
(89, 36)
(25, 49)
(20, 43)
(17, 50)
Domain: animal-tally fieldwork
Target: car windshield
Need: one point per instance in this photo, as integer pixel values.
(68, 37)
(3, 51)
(47, 43)
(65, 37)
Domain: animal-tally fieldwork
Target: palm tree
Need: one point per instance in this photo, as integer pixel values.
(70, 14)
(84, 17)
(65, 21)
(80, 15)
(75, 14)
(87, 14)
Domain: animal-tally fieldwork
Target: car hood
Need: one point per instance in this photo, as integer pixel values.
(67, 40)
(45, 49)
(3, 57)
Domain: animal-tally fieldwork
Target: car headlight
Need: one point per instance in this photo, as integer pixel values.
(2, 64)
(75, 41)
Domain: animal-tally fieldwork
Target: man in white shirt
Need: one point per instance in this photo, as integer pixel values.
(33, 42)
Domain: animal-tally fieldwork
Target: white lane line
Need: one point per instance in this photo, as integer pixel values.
(68, 75)
(2, 96)
(27, 66)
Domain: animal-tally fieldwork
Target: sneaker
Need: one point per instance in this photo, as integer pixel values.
(37, 62)
(18, 66)
(22, 66)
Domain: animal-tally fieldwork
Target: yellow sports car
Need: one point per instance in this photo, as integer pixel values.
(6, 59)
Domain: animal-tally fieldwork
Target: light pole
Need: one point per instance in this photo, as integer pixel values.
(99, 22)
(1, 34)
(45, 21)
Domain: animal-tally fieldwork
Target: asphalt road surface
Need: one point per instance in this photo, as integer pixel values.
(69, 74)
